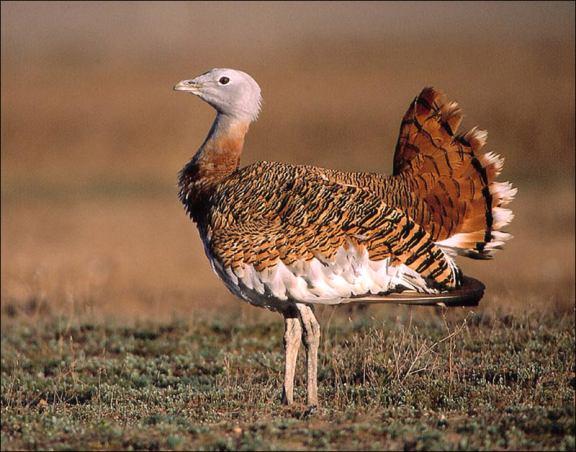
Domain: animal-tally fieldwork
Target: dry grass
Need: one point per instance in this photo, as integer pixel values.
(504, 382)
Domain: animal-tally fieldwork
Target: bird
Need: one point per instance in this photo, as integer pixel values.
(288, 237)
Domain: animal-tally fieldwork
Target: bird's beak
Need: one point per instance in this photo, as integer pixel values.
(191, 86)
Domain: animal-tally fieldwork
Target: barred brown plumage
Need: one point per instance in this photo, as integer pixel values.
(305, 215)
(287, 236)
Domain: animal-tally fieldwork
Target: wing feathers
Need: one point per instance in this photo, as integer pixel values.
(317, 225)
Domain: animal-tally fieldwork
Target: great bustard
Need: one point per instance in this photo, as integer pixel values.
(286, 237)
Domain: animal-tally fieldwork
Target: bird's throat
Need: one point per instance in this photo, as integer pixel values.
(218, 157)
(221, 151)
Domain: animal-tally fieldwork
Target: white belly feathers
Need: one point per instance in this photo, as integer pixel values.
(349, 274)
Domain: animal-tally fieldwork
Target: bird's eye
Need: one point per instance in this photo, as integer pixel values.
(224, 80)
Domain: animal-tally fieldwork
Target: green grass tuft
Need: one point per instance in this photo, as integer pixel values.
(507, 382)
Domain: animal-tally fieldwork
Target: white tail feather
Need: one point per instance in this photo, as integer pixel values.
(503, 192)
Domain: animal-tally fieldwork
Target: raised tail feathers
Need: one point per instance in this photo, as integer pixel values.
(457, 196)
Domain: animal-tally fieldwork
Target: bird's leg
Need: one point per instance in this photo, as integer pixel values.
(292, 339)
(311, 335)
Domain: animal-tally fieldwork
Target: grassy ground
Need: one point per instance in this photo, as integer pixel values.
(465, 381)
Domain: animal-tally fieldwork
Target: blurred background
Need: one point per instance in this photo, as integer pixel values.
(93, 135)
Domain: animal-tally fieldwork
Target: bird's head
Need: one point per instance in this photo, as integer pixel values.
(230, 92)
